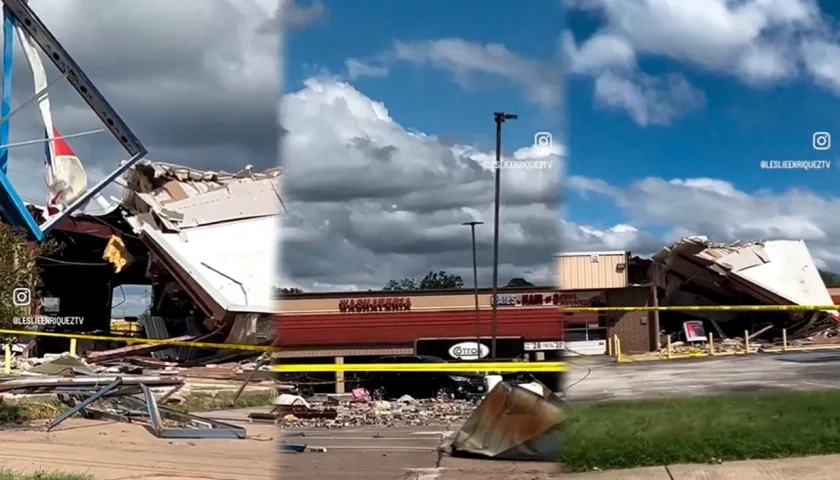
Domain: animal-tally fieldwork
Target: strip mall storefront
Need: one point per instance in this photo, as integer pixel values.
(354, 327)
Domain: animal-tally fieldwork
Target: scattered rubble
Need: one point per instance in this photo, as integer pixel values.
(358, 410)
(117, 391)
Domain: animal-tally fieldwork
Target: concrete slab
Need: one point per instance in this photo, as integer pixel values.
(480, 469)
(813, 468)
(648, 473)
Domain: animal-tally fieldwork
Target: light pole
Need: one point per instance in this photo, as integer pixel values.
(500, 118)
(475, 289)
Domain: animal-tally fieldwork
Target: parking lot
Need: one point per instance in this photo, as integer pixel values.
(409, 453)
(602, 379)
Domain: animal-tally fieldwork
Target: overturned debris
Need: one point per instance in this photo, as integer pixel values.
(511, 423)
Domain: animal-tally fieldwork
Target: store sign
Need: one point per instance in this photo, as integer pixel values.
(463, 349)
(544, 346)
(539, 299)
(468, 351)
(365, 305)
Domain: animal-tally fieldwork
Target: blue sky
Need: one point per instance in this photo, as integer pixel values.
(665, 110)
(364, 33)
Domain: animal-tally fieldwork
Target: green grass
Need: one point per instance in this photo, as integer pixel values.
(10, 475)
(701, 430)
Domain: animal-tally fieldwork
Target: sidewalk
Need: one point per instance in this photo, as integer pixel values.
(813, 468)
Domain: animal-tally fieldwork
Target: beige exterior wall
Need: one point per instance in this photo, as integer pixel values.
(431, 302)
(591, 270)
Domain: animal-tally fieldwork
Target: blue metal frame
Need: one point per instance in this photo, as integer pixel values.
(6, 105)
(12, 208)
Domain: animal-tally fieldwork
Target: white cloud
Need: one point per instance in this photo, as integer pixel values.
(369, 200)
(757, 41)
(539, 81)
(648, 99)
(716, 208)
(357, 68)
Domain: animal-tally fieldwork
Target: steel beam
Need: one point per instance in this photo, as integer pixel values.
(84, 403)
(29, 21)
(6, 105)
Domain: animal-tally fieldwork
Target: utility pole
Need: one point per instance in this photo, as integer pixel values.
(500, 118)
(475, 289)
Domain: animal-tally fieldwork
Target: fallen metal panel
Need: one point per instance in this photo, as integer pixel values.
(226, 261)
(776, 272)
(50, 384)
(789, 272)
(511, 423)
(141, 349)
(237, 201)
(205, 427)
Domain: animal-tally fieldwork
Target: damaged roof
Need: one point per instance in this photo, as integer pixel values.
(778, 272)
(214, 231)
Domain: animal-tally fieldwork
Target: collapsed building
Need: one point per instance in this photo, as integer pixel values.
(697, 272)
(200, 240)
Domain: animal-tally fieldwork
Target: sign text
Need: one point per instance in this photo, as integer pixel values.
(364, 305)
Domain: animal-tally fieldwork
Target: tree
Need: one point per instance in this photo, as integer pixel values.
(400, 285)
(519, 282)
(432, 281)
(441, 281)
(287, 290)
(829, 278)
(20, 273)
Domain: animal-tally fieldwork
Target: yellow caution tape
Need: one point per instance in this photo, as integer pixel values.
(706, 308)
(148, 341)
(423, 367)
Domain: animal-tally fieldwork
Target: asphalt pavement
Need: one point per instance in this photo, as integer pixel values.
(363, 453)
(592, 380)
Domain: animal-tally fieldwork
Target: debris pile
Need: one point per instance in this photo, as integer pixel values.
(341, 411)
(124, 392)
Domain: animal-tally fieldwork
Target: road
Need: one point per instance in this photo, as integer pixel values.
(593, 380)
(363, 453)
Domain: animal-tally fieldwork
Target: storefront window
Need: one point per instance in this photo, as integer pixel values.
(586, 334)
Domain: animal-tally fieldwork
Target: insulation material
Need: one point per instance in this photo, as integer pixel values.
(116, 254)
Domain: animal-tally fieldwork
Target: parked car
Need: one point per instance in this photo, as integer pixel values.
(388, 385)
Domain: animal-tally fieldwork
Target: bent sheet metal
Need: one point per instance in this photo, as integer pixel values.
(511, 423)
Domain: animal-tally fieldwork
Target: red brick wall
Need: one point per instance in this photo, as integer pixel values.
(634, 329)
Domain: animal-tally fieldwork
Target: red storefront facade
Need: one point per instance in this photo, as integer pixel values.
(369, 323)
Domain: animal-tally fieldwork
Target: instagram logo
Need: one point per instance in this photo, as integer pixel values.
(21, 297)
(543, 140)
(822, 141)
